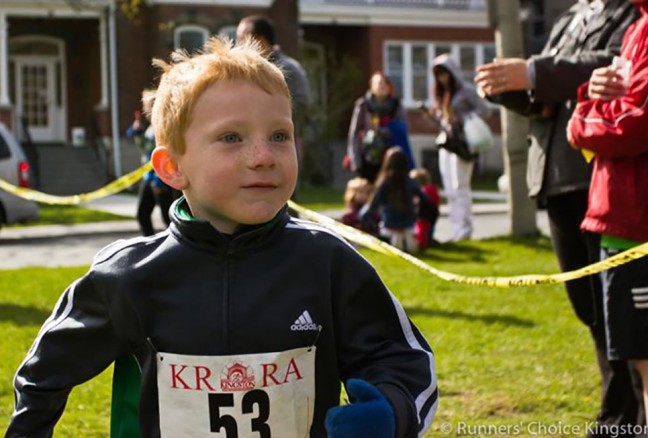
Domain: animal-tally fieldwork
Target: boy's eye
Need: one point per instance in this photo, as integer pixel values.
(279, 136)
(230, 138)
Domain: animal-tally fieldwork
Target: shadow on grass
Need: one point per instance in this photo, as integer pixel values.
(486, 319)
(455, 252)
(536, 241)
(22, 315)
(474, 251)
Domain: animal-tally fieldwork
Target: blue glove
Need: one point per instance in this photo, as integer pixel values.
(369, 415)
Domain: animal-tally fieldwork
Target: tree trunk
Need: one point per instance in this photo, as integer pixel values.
(504, 17)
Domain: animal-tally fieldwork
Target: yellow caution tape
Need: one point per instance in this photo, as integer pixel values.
(353, 235)
(116, 186)
(378, 245)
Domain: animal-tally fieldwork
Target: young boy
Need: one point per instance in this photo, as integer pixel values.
(243, 320)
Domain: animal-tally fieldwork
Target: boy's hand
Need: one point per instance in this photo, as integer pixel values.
(369, 415)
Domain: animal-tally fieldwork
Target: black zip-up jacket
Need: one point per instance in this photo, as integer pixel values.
(194, 291)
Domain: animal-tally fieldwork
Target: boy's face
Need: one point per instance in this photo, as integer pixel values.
(240, 164)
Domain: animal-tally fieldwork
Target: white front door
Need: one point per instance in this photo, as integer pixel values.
(36, 97)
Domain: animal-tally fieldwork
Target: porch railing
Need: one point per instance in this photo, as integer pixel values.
(101, 149)
(76, 4)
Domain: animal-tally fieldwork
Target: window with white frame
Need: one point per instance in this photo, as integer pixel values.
(409, 64)
(190, 37)
(228, 31)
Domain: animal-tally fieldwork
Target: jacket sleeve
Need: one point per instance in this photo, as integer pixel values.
(353, 138)
(297, 81)
(417, 190)
(615, 128)
(469, 101)
(558, 77)
(480, 105)
(519, 102)
(376, 201)
(75, 343)
(401, 113)
(301, 90)
(378, 343)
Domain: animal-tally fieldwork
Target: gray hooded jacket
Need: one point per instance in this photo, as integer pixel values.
(464, 101)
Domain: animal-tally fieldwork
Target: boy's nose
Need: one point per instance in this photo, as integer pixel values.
(261, 154)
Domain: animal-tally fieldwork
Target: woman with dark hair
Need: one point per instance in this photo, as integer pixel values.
(395, 198)
(378, 122)
(454, 99)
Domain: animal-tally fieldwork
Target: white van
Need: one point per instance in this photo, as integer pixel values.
(14, 169)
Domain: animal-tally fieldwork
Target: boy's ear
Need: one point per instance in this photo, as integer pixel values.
(167, 169)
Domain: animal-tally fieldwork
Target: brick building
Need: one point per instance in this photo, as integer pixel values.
(79, 65)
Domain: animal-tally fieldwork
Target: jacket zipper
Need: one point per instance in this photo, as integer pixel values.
(226, 309)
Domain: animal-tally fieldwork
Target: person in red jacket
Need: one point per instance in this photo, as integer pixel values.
(609, 124)
(427, 209)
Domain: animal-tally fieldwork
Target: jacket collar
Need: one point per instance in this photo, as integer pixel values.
(202, 235)
(599, 18)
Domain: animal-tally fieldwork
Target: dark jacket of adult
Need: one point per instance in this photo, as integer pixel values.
(572, 52)
(297, 81)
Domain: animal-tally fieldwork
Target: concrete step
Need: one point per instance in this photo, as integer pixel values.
(131, 157)
(67, 170)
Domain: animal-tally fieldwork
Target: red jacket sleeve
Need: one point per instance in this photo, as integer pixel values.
(616, 128)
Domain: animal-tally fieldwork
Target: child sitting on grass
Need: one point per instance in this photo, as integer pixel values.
(243, 320)
(357, 194)
(395, 197)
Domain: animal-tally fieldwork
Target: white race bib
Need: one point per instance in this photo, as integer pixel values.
(244, 396)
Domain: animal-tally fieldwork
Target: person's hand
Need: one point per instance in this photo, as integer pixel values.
(606, 83)
(137, 124)
(368, 416)
(501, 75)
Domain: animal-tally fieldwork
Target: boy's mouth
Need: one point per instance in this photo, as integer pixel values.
(260, 185)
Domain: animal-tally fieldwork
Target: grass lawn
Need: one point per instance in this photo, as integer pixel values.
(504, 357)
(71, 214)
(321, 198)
